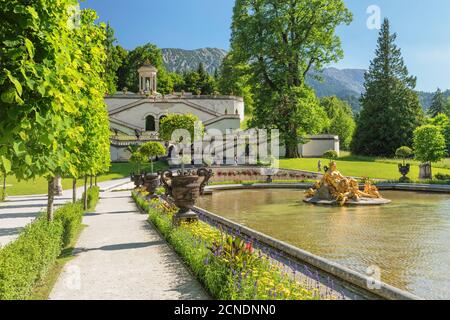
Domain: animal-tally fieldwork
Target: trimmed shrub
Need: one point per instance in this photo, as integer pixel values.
(26, 260)
(70, 217)
(93, 195)
(330, 154)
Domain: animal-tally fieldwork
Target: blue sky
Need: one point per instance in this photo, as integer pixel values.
(422, 27)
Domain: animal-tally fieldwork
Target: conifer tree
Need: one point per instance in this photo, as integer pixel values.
(438, 104)
(391, 109)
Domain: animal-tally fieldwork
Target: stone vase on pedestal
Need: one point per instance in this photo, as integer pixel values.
(185, 188)
(151, 183)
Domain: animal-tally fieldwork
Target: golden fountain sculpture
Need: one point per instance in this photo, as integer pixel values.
(334, 188)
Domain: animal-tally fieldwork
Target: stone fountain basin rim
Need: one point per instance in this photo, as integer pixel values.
(361, 202)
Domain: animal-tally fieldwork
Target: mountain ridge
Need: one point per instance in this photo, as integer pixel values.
(346, 84)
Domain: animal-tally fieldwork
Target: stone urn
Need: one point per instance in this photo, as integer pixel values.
(185, 188)
(137, 179)
(151, 182)
(404, 169)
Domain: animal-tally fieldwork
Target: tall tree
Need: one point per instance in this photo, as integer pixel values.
(281, 40)
(115, 56)
(128, 73)
(438, 104)
(391, 109)
(341, 119)
(234, 79)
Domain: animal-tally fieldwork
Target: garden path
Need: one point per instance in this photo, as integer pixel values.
(18, 211)
(121, 256)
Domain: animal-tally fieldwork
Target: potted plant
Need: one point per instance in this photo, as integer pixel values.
(149, 151)
(137, 158)
(404, 168)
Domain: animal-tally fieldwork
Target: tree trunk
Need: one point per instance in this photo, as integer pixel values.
(85, 204)
(74, 190)
(51, 197)
(292, 150)
(58, 186)
(91, 184)
(4, 189)
(96, 183)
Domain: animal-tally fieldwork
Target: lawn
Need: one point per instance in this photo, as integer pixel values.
(39, 185)
(373, 168)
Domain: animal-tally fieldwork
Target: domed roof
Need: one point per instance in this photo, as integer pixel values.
(147, 66)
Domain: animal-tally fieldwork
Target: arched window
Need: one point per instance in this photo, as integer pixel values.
(150, 123)
(160, 119)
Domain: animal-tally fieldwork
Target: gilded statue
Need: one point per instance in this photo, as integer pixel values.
(336, 187)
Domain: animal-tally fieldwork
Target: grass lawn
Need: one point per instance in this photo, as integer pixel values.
(373, 168)
(39, 185)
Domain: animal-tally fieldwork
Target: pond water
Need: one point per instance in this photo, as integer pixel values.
(409, 240)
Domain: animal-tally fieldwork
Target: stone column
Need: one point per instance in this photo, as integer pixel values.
(140, 83)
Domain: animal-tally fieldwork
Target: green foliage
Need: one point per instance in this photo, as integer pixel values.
(443, 122)
(341, 119)
(234, 79)
(281, 42)
(390, 106)
(404, 152)
(27, 259)
(429, 144)
(115, 57)
(70, 216)
(93, 196)
(174, 122)
(128, 72)
(197, 82)
(152, 149)
(330, 154)
(438, 104)
(258, 279)
(442, 177)
(234, 251)
(137, 159)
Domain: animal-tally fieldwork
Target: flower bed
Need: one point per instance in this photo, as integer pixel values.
(228, 267)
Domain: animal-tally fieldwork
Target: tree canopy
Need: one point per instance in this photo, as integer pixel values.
(341, 120)
(390, 106)
(429, 144)
(438, 104)
(281, 41)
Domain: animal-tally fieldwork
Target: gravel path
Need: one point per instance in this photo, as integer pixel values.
(18, 211)
(121, 256)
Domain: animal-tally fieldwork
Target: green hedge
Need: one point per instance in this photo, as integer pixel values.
(70, 216)
(93, 196)
(28, 259)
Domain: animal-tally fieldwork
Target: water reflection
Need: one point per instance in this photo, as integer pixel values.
(408, 240)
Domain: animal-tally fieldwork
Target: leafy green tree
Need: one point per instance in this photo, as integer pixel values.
(115, 56)
(438, 104)
(390, 106)
(234, 79)
(341, 119)
(173, 122)
(443, 122)
(39, 85)
(199, 81)
(135, 59)
(151, 150)
(429, 144)
(281, 41)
